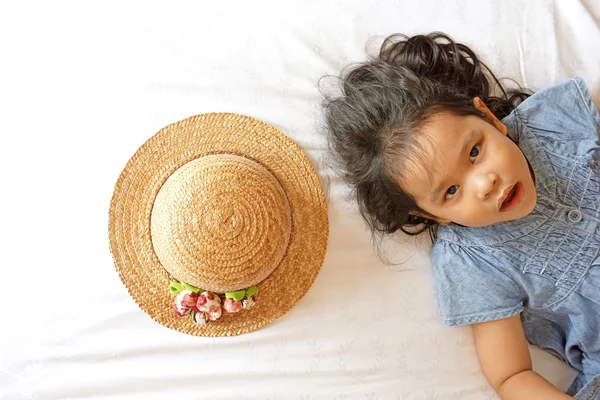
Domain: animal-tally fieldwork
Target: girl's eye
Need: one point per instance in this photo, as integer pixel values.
(474, 151)
(451, 192)
(454, 188)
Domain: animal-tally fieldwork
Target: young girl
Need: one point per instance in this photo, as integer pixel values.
(508, 185)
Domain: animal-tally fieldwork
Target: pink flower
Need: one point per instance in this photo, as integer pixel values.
(201, 301)
(214, 312)
(210, 305)
(249, 302)
(184, 302)
(199, 318)
(189, 299)
(231, 305)
(179, 311)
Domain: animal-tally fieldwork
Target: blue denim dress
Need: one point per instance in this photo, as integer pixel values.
(546, 265)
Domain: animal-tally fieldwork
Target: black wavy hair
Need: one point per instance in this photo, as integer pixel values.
(372, 126)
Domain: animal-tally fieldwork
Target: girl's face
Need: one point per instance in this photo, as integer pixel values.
(477, 175)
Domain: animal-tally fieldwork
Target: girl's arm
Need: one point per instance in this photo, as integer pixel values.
(506, 363)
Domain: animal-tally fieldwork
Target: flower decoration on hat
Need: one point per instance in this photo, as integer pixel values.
(204, 306)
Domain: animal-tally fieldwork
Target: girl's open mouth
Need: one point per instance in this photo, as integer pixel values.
(514, 198)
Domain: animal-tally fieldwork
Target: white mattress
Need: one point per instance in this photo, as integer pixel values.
(83, 85)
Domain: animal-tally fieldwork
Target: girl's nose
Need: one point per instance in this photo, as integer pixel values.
(485, 184)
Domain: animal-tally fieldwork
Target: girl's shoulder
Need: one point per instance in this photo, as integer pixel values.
(473, 259)
(465, 252)
(570, 95)
(470, 285)
(563, 111)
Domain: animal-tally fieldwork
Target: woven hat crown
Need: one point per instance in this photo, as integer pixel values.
(221, 222)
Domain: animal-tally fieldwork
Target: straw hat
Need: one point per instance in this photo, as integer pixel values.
(218, 225)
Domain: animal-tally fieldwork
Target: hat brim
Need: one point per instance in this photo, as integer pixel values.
(169, 149)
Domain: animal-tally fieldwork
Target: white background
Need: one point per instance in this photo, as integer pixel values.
(84, 84)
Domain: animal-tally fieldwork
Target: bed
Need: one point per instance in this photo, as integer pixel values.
(85, 84)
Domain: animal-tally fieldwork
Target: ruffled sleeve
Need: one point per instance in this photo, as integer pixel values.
(564, 114)
(470, 286)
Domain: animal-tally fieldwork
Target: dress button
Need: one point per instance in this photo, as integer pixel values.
(574, 216)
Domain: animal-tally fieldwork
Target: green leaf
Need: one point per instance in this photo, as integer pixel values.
(194, 289)
(175, 287)
(251, 291)
(237, 295)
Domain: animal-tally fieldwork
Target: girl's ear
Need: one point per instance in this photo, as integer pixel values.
(480, 106)
(438, 220)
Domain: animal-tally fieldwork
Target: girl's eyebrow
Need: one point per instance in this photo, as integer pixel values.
(467, 140)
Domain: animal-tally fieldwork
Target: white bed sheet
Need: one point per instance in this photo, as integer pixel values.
(84, 85)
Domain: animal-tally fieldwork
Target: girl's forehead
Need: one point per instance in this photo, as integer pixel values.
(421, 168)
(437, 144)
(444, 126)
(446, 135)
